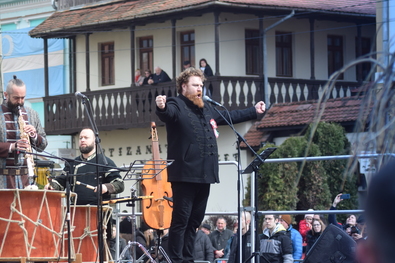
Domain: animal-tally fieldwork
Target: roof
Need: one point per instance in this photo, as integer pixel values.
(299, 114)
(123, 13)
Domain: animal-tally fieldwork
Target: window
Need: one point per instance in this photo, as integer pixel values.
(146, 47)
(107, 64)
(284, 54)
(252, 52)
(187, 48)
(335, 54)
(363, 68)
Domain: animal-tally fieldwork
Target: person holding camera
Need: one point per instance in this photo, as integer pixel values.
(351, 219)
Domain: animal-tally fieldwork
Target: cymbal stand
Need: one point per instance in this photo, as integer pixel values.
(134, 243)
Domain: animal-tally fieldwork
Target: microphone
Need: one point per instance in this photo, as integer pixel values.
(79, 94)
(208, 99)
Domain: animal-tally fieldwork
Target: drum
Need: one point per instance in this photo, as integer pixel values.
(85, 233)
(31, 225)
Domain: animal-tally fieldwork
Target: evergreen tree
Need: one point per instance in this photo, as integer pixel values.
(286, 186)
(331, 140)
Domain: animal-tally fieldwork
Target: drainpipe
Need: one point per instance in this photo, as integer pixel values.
(265, 78)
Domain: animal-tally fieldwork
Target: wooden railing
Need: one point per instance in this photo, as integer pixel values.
(134, 107)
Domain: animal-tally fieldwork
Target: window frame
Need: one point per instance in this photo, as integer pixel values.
(284, 42)
(107, 63)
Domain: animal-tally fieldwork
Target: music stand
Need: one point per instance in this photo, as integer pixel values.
(253, 167)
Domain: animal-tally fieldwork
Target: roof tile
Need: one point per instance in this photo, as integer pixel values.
(295, 114)
(117, 10)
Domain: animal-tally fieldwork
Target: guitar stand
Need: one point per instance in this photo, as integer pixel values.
(159, 250)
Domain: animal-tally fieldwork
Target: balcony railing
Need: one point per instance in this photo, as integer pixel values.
(134, 107)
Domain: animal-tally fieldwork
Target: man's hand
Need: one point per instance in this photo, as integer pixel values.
(103, 189)
(260, 107)
(219, 253)
(160, 102)
(337, 200)
(22, 145)
(29, 129)
(48, 187)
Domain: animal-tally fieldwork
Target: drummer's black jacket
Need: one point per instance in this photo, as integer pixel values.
(87, 174)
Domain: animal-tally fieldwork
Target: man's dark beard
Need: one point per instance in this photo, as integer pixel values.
(86, 149)
(14, 107)
(196, 100)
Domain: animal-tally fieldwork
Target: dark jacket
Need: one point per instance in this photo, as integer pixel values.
(246, 246)
(220, 239)
(86, 171)
(311, 239)
(277, 247)
(145, 81)
(191, 140)
(162, 77)
(208, 72)
(204, 251)
(122, 244)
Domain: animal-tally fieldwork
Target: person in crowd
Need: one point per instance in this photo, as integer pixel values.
(125, 227)
(147, 76)
(206, 228)
(205, 67)
(219, 237)
(320, 217)
(160, 76)
(350, 221)
(122, 244)
(245, 241)
(359, 231)
(275, 244)
(191, 136)
(138, 79)
(315, 233)
(378, 246)
(203, 250)
(14, 170)
(296, 237)
(84, 166)
(305, 225)
(186, 64)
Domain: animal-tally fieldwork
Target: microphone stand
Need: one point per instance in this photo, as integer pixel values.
(254, 210)
(88, 111)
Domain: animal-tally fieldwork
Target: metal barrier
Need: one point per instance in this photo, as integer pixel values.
(279, 160)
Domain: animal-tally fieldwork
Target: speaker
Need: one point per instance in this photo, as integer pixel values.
(333, 246)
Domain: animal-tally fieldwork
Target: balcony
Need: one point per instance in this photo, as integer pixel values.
(134, 107)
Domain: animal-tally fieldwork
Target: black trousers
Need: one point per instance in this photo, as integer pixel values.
(189, 207)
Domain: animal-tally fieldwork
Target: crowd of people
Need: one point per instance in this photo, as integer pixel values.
(160, 76)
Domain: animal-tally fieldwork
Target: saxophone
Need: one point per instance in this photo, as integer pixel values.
(25, 135)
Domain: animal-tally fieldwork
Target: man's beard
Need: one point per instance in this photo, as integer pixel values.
(14, 107)
(195, 100)
(86, 149)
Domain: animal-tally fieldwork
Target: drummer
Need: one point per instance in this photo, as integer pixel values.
(85, 172)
